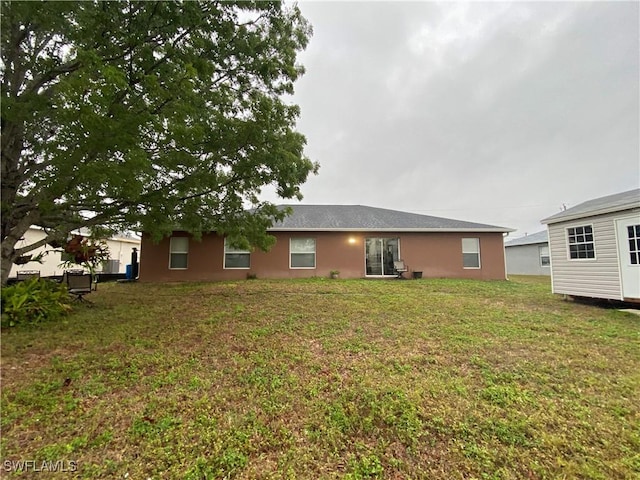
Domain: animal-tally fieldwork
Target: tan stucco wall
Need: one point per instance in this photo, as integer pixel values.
(435, 254)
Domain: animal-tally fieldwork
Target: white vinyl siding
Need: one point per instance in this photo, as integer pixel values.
(178, 253)
(598, 277)
(527, 259)
(302, 253)
(471, 252)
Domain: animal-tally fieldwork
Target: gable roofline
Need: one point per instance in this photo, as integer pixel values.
(598, 206)
(118, 237)
(532, 239)
(361, 218)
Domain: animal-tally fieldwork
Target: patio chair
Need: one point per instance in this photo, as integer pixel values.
(75, 271)
(23, 275)
(400, 268)
(78, 284)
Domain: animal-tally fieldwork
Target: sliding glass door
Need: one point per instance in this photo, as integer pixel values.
(380, 253)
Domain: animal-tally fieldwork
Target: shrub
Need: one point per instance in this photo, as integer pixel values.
(34, 301)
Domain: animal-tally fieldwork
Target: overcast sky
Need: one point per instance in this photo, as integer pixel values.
(497, 113)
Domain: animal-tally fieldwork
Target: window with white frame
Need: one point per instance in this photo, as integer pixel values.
(302, 252)
(580, 242)
(178, 253)
(471, 252)
(236, 257)
(633, 233)
(544, 256)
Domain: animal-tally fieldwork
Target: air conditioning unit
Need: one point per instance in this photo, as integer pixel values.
(112, 266)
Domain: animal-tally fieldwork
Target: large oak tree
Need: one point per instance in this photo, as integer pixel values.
(148, 115)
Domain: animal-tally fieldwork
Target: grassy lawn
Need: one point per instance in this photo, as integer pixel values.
(433, 379)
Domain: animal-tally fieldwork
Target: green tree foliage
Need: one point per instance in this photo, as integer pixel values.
(148, 115)
(34, 301)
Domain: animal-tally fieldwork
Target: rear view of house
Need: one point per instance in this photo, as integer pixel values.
(528, 255)
(358, 241)
(595, 248)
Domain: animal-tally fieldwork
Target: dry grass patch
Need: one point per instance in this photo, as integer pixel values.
(327, 379)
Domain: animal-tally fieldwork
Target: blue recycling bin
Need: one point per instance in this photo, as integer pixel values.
(129, 272)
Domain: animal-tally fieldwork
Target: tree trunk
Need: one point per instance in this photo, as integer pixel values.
(8, 251)
(5, 266)
(7, 257)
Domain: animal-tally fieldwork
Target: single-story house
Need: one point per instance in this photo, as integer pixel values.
(120, 248)
(595, 248)
(528, 255)
(358, 241)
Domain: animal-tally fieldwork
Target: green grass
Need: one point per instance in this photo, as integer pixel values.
(353, 379)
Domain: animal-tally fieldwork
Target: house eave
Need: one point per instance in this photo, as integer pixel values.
(396, 230)
(594, 213)
(525, 244)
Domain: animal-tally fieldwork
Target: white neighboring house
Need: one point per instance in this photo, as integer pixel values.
(595, 248)
(528, 255)
(120, 248)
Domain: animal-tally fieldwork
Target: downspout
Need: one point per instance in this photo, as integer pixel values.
(504, 254)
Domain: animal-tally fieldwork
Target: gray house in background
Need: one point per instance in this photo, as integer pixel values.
(595, 248)
(528, 255)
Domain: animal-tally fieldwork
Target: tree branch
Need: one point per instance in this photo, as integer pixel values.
(45, 78)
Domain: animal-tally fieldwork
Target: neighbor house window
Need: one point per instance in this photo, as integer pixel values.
(544, 256)
(302, 252)
(471, 252)
(178, 252)
(236, 257)
(580, 241)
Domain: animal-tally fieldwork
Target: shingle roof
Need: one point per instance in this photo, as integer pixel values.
(599, 206)
(538, 237)
(363, 218)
